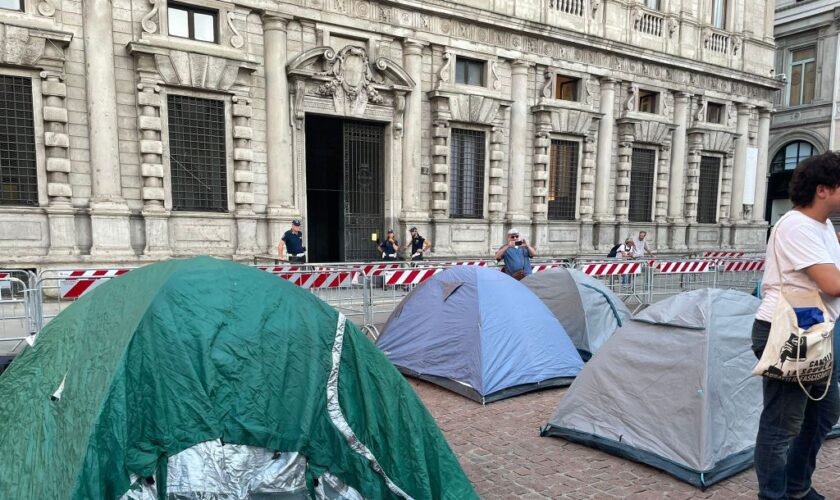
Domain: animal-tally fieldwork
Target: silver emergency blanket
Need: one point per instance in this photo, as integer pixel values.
(215, 471)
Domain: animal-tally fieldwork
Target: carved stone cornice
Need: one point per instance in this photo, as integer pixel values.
(467, 108)
(33, 47)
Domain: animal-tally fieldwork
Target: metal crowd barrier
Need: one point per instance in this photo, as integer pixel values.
(58, 288)
(670, 277)
(19, 308)
(740, 274)
(628, 279)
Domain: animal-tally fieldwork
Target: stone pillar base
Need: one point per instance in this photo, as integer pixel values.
(587, 238)
(441, 237)
(157, 234)
(62, 222)
(110, 229)
(604, 236)
(749, 237)
(246, 236)
(676, 236)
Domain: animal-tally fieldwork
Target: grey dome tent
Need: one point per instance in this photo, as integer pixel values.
(587, 309)
(480, 333)
(673, 389)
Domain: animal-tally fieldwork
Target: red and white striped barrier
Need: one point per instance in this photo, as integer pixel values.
(684, 266)
(722, 255)
(378, 269)
(742, 266)
(612, 268)
(338, 279)
(482, 263)
(410, 276)
(74, 284)
(545, 267)
(279, 269)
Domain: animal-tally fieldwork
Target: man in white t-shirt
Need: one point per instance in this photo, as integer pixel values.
(640, 246)
(804, 246)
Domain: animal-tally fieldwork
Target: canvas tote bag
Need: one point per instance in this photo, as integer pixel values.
(793, 354)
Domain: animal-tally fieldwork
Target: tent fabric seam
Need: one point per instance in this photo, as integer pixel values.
(337, 415)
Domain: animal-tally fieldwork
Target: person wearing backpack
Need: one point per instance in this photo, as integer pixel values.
(803, 255)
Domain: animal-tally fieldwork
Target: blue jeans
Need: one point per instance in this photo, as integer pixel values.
(791, 430)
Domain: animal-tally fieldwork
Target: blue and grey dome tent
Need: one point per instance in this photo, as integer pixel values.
(673, 389)
(480, 333)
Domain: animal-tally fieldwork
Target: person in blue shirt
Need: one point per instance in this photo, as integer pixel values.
(390, 248)
(517, 254)
(292, 242)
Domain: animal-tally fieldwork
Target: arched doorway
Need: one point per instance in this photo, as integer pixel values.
(781, 170)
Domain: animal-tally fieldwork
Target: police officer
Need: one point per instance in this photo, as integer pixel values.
(293, 242)
(418, 244)
(390, 248)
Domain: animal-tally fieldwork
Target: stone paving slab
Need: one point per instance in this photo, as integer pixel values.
(502, 453)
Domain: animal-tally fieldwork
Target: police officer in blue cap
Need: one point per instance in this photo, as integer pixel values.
(292, 242)
(418, 245)
(390, 248)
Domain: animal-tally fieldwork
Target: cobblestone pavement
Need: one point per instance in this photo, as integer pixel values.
(503, 455)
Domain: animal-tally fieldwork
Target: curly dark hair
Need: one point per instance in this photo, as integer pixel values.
(820, 170)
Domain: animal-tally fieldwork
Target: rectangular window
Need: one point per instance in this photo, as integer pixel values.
(715, 112)
(652, 4)
(469, 71)
(641, 185)
(466, 187)
(11, 4)
(707, 195)
(198, 166)
(566, 88)
(186, 21)
(648, 101)
(719, 14)
(18, 169)
(562, 180)
(803, 71)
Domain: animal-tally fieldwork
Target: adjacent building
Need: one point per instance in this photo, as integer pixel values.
(137, 130)
(808, 107)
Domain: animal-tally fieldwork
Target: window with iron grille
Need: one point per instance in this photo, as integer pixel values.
(562, 180)
(466, 186)
(469, 71)
(707, 194)
(641, 184)
(197, 153)
(18, 169)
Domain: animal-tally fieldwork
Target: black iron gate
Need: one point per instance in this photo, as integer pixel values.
(364, 192)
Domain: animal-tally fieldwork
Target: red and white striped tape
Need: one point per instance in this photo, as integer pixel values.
(544, 267)
(612, 268)
(722, 255)
(279, 269)
(74, 284)
(742, 266)
(378, 269)
(684, 266)
(409, 276)
(339, 279)
(481, 263)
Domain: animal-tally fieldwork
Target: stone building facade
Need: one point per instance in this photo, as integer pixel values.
(137, 130)
(807, 117)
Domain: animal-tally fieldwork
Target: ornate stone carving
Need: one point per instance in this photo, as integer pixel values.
(589, 86)
(547, 87)
(736, 45)
(636, 16)
(673, 25)
(700, 115)
(595, 5)
(399, 114)
(632, 93)
(46, 8)
(300, 93)
(147, 22)
(444, 74)
(667, 103)
(731, 115)
(236, 39)
(497, 82)
(351, 84)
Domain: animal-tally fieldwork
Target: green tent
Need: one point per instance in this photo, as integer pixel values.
(171, 358)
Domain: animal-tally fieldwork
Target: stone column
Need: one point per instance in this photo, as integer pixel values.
(761, 171)
(155, 215)
(604, 234)
(108, 210)
(676, 181)
(243, 178)
(279, 155)
(736, 207)
(412, 134)
(518, 142)
(56, 145)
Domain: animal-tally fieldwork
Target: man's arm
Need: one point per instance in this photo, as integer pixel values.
(426, 245)
(827, 278)
(532, 252)
(280, 247)
(501, 252)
